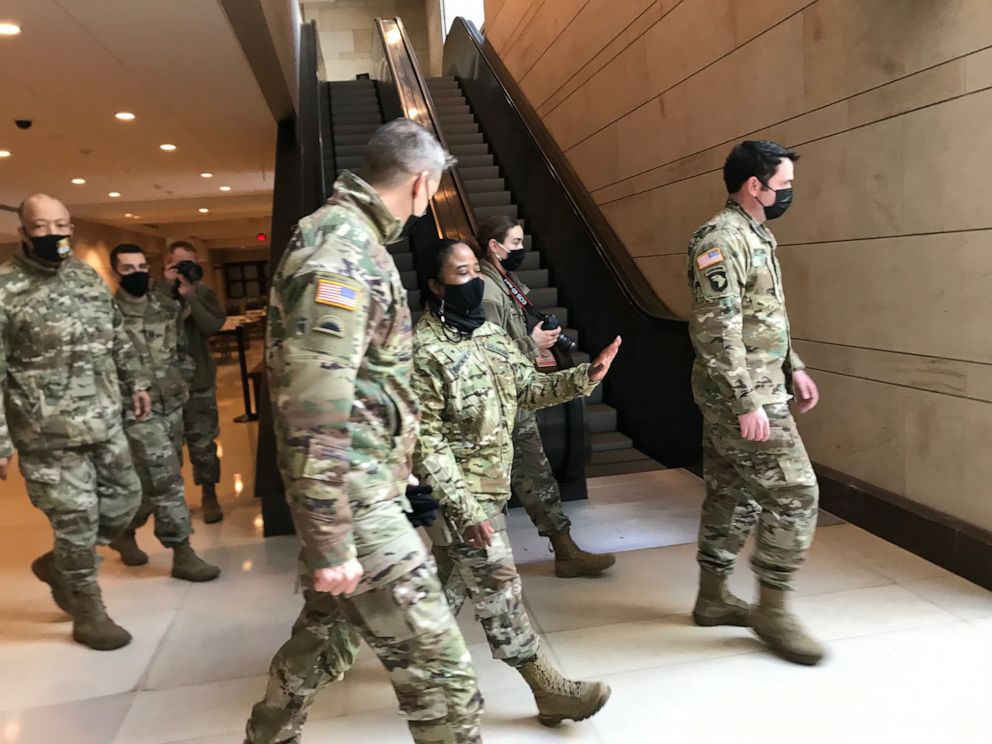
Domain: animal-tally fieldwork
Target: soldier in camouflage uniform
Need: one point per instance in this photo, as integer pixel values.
(159, 339)
(755, 467)
(64, 359)
(470, 378)
(203, 316)
(501, 250)
(339, 361)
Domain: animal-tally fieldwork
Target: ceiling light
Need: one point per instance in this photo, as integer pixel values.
(114, 194)
(167, 148)
(225, 188)
(125, 116)
(4, 153)
(9, 29)
(78, 181)
(128, 214)
(136, 216)
(206, 175)
(203, 210)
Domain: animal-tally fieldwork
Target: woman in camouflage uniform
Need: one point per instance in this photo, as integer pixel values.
(470, 378)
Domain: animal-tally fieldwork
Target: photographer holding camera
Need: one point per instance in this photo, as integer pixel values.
(500, 252)
(203, 316)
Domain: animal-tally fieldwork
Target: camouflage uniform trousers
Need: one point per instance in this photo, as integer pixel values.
(156, 448)
(89, 494)
(770, 484)
(409, 626)
(531, 478)
(202, 427)
(489, 578)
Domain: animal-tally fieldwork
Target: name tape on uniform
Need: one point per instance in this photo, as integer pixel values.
(712, 256)
(336, 294)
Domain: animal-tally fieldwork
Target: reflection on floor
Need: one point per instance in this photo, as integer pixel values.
(910, 644)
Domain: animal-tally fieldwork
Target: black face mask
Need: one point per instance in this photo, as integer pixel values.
(136, 283)
(514, 259)
(52, 249)
(461, 307)
(783, 200)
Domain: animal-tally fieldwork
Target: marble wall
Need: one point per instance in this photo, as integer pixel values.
(887, 248)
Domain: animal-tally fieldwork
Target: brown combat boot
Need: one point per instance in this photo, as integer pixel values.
(211, 509)
(716, 605)
(559, 699)
(127, 546)
(43, 567)
(187, 565)
(784, 633)
(91, 626)
(572, 561)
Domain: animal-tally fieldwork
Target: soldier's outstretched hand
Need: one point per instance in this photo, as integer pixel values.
(342, 579)
(4, 464)
(601, 364)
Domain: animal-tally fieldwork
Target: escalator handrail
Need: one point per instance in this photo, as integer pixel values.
(453, 215)
(628, 276)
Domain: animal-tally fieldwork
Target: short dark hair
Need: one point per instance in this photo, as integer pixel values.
(758, 158)
(495, 227)
(124, 248)
(184, 244)
(431, 260)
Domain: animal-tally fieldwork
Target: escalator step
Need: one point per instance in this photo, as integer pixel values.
(445, 109)
(464, 139)
(413, 298)
(476, 161)
(451, 130)
(470, 174)
(612, 440)
(534, 278)
(442, 83)
(490, 199)
(600, 417)
(483, 212)
(596, 396)
(365, 119)
(581, 357)
(409, 278)
(483, 185)
(365, 130)
(532, 261)
(349, 151)
(457, 120)
(545, 297)
(344, 139)
(459, 150)
(349, 163)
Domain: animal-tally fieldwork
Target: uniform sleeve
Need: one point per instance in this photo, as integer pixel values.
(205, 310)
(433, 459)
(6, 446)
(540, 390)
(318, 337)
(795, 361)
(718, 269)
(129, 371)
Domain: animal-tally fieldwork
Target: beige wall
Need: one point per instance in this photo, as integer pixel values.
(345, 29)
(886, 251)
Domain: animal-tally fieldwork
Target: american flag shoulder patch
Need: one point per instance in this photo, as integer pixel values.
(712, 256)
(336, 294)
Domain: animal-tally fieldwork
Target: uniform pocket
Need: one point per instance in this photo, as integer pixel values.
(327, 459)
(407, 608)
(49, 473)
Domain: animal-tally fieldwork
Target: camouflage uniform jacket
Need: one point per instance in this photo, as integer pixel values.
(469, 390)
(159, 339)
(339, 362)
(202, 316)
(738, 325)
(503, 310)
(64, 357)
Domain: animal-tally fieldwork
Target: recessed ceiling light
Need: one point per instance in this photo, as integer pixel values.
(206, 175)
(167, 148)
(9, 29)
(125, 116)
(136, 216)
(203, 210)
(114, 194)
(78, 181)
(225, 188)
(4, 153)
(128, 214)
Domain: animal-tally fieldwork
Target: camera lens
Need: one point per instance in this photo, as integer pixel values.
(564, 343)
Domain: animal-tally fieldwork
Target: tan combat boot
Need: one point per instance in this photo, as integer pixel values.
(44, 569)
(211, 508)
(559, 699)
(782, 630)
(91, 626)
(716, 605)
(127, 546)
(187, 565)
(572, 561)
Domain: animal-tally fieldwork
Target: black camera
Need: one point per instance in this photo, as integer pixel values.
(564, 343)
(191, 271)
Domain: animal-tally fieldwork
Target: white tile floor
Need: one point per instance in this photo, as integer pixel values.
(910, 644)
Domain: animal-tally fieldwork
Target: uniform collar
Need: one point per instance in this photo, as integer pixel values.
(433, 322)
(352, 190)
(40, 267)
(128, 305)
(759, 228)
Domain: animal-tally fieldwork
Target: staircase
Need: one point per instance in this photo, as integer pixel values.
(613, 453)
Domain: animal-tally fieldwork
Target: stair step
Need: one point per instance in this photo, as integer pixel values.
(346, 151)
(470, 174)
(532, 261)
(608, 457)
(484, 185)
(482, 212)
(457, 120)
(622, 468)
(452, 129)
(478, 148)
(454, 108)
(533, 278)
(611, 440)
(476, 161)
(365, 130)
(347, 139)
(463, 138)
(490, 199)
(545, 297)
(600, 417)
